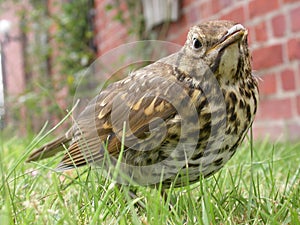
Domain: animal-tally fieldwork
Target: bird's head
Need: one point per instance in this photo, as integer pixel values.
(222, 46)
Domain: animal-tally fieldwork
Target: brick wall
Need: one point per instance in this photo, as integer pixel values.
(13, 64)
(274, 36)
(14, 72)
(109, 33)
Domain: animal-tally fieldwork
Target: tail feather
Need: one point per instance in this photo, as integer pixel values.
(49, 149)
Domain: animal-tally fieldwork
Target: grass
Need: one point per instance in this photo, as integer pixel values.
(264, 190)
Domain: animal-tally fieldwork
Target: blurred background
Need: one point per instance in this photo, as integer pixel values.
(45, 44)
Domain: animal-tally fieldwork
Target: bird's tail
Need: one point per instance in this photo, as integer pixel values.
(49, 149)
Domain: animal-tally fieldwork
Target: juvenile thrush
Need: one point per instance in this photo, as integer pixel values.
(180, 117)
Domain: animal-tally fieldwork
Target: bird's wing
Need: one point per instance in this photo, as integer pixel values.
(49, 149)
(140, 102)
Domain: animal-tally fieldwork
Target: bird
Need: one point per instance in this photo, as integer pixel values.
(173, 121)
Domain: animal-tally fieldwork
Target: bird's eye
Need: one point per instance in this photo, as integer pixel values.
(196, 43)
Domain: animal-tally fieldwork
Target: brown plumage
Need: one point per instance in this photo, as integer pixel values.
(182, 116)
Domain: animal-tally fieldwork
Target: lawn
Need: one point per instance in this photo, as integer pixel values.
(261, 190)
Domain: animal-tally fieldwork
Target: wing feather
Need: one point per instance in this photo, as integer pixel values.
(137, 100)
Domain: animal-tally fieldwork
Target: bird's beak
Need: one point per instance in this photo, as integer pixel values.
(234, 34)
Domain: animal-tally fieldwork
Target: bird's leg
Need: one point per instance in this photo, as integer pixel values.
(165, 196)
(132, 195)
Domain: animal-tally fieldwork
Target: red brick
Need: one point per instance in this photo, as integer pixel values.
(116, 30)
(205, 9)
(237, 15)
(123, 6)
(261, 32)
(98, 3)
(260, 7)
(275, 109)
(186, 3)
(225, 3)
(260, 132)
(180, 38)
(290, 1)
(298, 104)
(294, 48)
(192, 15)
(266, 57)
(293, 131)
(218, 5)
(215, 6)
(108, 44)
(279, 26)
(295, 19)
(179, 26)
(251, 34)
(287, 78)
(268, 85)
